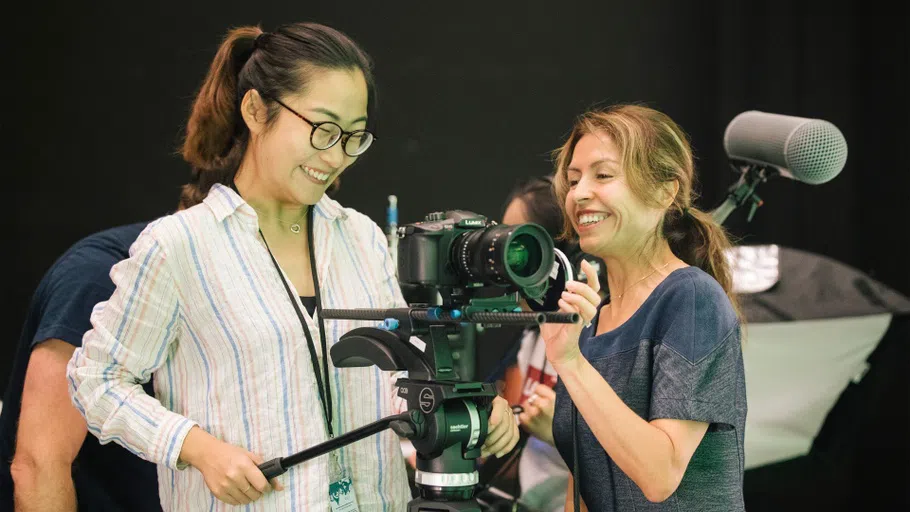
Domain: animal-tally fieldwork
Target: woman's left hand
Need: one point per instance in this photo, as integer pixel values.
(537, 417)
(502, 430)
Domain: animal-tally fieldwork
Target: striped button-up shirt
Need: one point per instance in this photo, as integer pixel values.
(200, 305)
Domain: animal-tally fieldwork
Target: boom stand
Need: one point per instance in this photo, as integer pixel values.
(743, 191)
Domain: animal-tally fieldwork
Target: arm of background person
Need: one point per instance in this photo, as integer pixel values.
(512, 385)
(50, 433)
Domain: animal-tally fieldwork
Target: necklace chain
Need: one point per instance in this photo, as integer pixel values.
(294, 226)
(636, 282)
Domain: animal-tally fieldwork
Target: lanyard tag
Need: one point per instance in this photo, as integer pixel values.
(341, 496)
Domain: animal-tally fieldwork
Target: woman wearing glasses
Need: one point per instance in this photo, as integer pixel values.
(221, 301)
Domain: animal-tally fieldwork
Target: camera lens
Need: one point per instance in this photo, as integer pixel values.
(519, 255)
(521, 259)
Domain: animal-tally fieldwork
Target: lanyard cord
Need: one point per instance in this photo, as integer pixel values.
(325, 392)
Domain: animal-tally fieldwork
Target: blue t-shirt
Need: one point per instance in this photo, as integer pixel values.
(679, 356)
(106, 477)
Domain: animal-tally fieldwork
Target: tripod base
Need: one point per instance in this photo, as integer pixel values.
(424, 505)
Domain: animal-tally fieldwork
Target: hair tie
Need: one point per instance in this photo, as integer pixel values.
(260, 40)
(685, 211)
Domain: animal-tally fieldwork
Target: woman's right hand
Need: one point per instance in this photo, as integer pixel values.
(230, 472)
(578, 297)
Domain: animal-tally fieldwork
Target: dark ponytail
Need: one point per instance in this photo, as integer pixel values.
(276, 64)
(214, 143)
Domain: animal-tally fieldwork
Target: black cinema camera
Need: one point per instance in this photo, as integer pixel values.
(460, 252)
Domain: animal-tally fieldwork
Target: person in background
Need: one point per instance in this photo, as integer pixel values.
(48, 460)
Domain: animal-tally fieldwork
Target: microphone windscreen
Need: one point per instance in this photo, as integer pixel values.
(813, 151)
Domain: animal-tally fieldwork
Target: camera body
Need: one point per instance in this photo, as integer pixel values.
(466, 252)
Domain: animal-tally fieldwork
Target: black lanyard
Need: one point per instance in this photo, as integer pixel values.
(325, 393)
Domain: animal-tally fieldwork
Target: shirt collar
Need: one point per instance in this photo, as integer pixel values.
(223, 201)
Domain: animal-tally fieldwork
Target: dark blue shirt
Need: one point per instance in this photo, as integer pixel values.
(106, 477)
(679, 356)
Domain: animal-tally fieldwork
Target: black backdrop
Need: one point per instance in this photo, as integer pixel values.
(472, 97)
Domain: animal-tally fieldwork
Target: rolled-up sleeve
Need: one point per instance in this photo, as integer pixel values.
(132, 334)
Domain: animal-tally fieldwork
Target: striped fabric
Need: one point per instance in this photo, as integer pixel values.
(200, 305)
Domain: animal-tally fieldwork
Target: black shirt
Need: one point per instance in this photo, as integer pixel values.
(309, 303)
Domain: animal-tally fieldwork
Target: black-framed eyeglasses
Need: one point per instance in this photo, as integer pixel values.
(326, 134)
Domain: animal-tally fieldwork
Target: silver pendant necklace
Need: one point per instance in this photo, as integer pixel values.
(294, 227)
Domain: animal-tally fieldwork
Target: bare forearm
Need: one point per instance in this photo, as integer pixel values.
(46, 446)
(643, 451)
(43, 487)
(512, 384)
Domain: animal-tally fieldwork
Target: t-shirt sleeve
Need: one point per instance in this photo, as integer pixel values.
(73, 290)
(697, 366)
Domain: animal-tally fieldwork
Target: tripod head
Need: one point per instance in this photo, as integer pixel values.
(448, 416)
